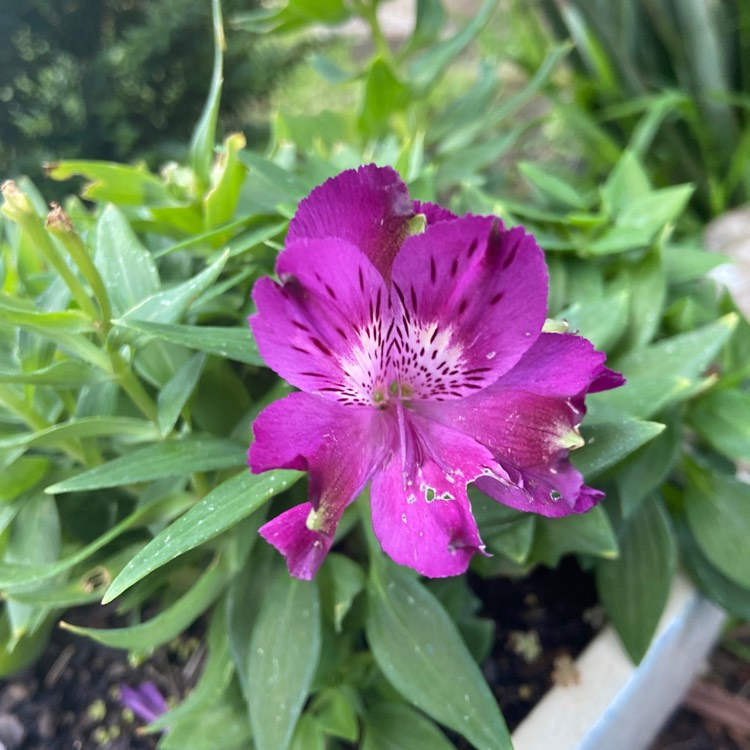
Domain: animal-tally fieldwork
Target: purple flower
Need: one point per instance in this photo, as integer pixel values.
(415, 338)
(145, 701)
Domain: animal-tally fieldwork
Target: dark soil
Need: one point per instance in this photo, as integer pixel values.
(69, 700)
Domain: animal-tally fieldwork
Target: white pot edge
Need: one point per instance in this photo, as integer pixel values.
(616, 706)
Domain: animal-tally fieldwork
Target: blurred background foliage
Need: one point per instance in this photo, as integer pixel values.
(123, 79)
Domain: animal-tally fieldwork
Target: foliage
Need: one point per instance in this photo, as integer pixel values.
(668, 79)
(129, 382)
(118, 80)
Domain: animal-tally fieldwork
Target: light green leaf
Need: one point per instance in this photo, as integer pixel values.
(221, 509)
(283, 656)
(204, 136)
(416, 645)
(626, 183)
(175, 394)
(335, 714)
(169, 305)
(602, 322)
(22, 475)
(652, 211)
(718, 512)
(121, 184)
(608, 443)
(634, 587)
(170, 622)
(396, 726)
(23, 313)
(221, 201)
(126, 267)
(384, 96)
(234, 343)
(64, 374)
(167, 459)
(342, 580)
(554, 187)
(84, 427)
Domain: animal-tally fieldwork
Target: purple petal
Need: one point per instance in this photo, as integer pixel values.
(145, 701)
(477, 293)
(433, 213)
(420, 512)
(552, 490)
(312, 330)
(339, 446)
(368, 207)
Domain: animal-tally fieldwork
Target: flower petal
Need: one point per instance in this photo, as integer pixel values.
(474, 292)
(339, 446)
(369, 207)
(319, 330)
(433, 213)
(420, 512)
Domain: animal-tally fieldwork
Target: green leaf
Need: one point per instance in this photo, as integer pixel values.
(18, 575)
(175, 394)
(234, 343)
(121, 184)
(553, 187)
(712, 582)
(652, 211)
(221, 509)
(308, 735)
(283, 656)
(608, 443)
(22, 475)
(635, 586)
(588, 533)
(718, 512)
(83, 427)
(126, 267)
(416, 645)
(342, 580)
(167, 459)
(647, 304)
(170, 622)
(626, 183)
(396, 726)
(648, 467)
(204, 136)
(722, 417)
(23, 313)
(514, 541)
(65, 374)
(430, 65)
(384, 96)
(221, 201)
(602, 322)
(335, 714)
(17, 653)
(169, 305)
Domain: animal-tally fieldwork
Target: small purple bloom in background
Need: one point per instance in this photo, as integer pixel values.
(415, 338)
(145, 701)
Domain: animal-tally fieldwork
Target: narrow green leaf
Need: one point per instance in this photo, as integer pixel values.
(416, 645)
(126, 267)
(65, 374)
(396, 726)
(718, 512)
(204, 135)
(221, 201)
(84, 427)
(553, 187)
(170, 622)
(283, 656)
(168, 459)
(22, 475)
(175, 394)
(169, 305)
(634, 587)
(23, 313)
(12, 575)
(607, 444)
(234, 343)
(221, 509)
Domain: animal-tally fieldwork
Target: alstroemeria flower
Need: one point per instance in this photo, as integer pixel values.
(415, 339)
